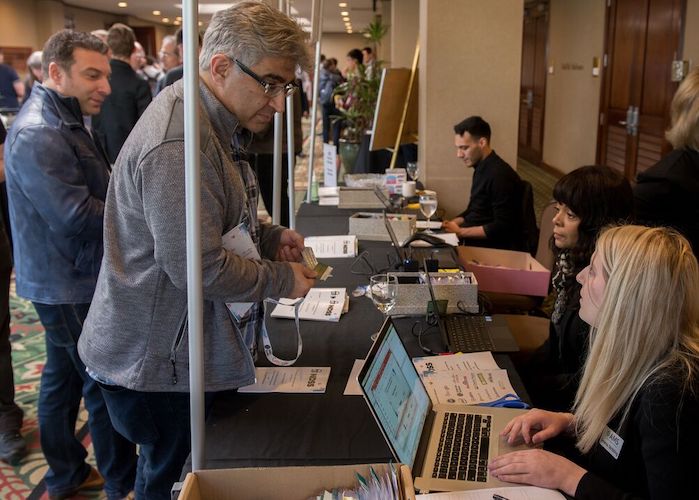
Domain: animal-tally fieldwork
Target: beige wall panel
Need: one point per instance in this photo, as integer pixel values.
(90, 20)
(405, 25)
(576, 35)
(470, 57)
(17, 24)
(691, 33)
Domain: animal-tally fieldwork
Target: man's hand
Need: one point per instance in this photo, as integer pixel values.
(290, 246)
(538, 468)
(304, 279)
(450, 226)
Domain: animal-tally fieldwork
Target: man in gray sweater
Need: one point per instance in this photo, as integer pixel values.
(134, 341)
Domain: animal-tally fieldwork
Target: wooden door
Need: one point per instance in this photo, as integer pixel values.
(146, 37)
(533, 81)
(643, 38)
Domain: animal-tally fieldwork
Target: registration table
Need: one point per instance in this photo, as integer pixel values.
(244, 430)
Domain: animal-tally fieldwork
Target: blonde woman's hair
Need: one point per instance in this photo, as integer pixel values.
(648, 322)
(684, 114)
(250, 31)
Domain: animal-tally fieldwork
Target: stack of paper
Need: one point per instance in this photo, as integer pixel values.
(328, 196)
(510, 493)
(289, 379)
(332, 247)
(319, 304)
(463, 379)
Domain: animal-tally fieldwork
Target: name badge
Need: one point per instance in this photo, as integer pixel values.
(612, 442)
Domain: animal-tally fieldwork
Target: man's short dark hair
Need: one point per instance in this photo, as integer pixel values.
(59, 48)
(368, 50)
(121, 40)
(179, 37)
(356, 54)
(476, 126)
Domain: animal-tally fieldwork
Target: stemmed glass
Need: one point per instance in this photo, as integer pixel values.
(383, 288)
(413, 170)
(428, 206)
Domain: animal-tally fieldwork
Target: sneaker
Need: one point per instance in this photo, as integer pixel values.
(12, 447)
(94, 481)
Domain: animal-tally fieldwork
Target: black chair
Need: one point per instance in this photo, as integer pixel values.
(530, 231)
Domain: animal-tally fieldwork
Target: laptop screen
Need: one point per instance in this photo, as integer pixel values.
(393, 389)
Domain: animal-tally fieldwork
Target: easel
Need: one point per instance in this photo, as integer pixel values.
(398, 94)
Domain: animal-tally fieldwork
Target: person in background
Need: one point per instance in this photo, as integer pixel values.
(134, 341)
(11, 87)
(587, 199)
(130, 94)
(493, 216)
(169, 58)
(12, 445)
(57, 177)
(327, 81)
(636, 411)
(353, 64)
(102, 34)
(369, 61)
(137, 61)
(33, 75)
(667, 194)
(177, 72)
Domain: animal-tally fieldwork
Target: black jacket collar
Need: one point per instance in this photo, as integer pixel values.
(68, 108)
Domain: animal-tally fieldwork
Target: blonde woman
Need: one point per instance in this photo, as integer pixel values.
(666, 194)
(636, 413)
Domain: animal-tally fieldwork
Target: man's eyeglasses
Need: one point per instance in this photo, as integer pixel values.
(271, 89)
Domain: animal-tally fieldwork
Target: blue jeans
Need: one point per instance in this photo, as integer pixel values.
(159, 423)
(63, 382)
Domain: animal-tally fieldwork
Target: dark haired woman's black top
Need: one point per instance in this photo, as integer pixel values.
(667, 194)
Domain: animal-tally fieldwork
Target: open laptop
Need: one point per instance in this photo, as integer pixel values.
(446, 254)
(446, 447)
(464, 333)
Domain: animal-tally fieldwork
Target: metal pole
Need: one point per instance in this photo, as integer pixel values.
(291, 157)
(314, 108)
(277, 159)
(193, 220)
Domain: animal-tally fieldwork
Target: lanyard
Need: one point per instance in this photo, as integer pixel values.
(267, 345)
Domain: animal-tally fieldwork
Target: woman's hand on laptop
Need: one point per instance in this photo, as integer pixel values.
(536, 426)
(538, 468)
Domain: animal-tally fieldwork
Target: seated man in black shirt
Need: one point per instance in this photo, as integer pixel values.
(493, 217)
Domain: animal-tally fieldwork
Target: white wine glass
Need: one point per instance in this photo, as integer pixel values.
(412, 169)
(428, 206)
(383, 289)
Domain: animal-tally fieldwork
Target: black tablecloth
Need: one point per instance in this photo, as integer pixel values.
(312, 429)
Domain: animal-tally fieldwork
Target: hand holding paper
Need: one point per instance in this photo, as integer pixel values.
(290, 246)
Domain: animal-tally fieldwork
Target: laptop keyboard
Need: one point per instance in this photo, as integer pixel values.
(463, 447)
(468, 333)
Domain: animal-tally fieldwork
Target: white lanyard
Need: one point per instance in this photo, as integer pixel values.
(267, 345)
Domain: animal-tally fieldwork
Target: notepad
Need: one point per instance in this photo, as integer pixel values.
(320, 304)
(289, 379)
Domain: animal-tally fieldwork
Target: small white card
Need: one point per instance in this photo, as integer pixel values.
(612, 442)
(289, 379)
(352, 388)
(333, 247)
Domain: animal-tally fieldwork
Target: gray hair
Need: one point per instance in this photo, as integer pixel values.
(34, 60)
(250, 31)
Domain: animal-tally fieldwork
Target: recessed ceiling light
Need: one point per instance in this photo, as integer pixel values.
(345, 18)
(178, 18)
(122, 4)
(200, 23)
(176, 23)
(342, 4)
(156, 12)
(344, 13)
(166, 19)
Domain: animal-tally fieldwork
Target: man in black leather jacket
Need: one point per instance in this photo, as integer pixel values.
(57, 178)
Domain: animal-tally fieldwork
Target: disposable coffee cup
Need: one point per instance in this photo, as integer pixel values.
(409, 189)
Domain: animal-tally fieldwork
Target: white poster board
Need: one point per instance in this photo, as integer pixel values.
(329, 165)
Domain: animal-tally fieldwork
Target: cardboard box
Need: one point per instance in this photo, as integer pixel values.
(370, 226)
(412, 298)
(289, 483)
(505, 271)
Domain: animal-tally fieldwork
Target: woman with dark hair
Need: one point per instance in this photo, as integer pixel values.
(587, 199)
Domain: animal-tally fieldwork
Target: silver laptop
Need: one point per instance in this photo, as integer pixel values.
(446, 447)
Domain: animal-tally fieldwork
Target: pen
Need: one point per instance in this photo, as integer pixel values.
(498, 497)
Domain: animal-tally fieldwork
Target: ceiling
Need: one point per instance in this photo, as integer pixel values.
(360, 11)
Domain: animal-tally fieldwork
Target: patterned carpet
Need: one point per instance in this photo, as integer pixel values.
(25, 481)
